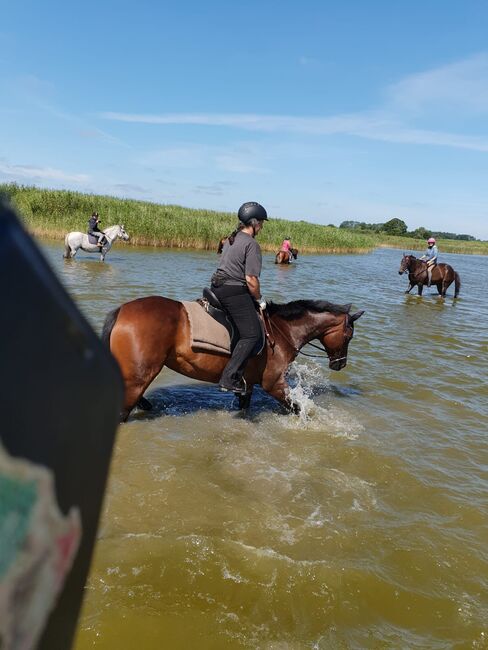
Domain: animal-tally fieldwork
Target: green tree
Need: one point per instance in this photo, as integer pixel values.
(421, 233)
(395, 227)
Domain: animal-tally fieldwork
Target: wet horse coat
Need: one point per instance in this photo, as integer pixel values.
(147, 334)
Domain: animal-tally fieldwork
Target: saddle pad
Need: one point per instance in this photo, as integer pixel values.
(206, 333)
(92, 239)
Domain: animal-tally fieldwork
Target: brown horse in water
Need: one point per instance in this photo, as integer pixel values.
(443, 275)
(148, 333)
(283, 257)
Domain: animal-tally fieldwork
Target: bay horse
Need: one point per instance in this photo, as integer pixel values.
(443, 275)
(148, 333)
(283, 257)
(75, 240)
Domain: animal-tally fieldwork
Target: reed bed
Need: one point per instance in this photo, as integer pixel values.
(444, 245)
(53, 213)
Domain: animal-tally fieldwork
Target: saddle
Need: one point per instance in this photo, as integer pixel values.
(214, 308)
(211, 328)
(92, 239)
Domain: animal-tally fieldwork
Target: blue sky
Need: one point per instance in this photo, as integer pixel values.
(322, 111)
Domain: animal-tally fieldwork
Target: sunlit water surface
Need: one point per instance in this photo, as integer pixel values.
(360, 524)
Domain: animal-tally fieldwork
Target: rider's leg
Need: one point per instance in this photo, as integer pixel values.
(239, 304)
(429, 274)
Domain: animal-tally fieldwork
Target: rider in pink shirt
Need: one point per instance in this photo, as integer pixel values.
(286, 246)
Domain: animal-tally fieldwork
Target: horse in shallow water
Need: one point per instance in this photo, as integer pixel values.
(443, 275)
(76, 240)
(148, 333)
(285, 257)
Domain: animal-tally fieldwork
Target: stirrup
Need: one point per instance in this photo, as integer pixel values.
(237, 390)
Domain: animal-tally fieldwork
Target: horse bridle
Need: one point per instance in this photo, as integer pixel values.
(347, 326)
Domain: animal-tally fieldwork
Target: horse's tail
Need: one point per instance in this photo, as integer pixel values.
(67, 249)
(457, 284)
(109, 325)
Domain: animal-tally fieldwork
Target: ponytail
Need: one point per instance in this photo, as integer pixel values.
(232, 236)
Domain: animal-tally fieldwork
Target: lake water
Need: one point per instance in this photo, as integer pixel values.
(362, 523)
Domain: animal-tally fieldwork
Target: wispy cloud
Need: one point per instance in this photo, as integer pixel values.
(237, 158)
(38, 92)
(462, 86)
(40, 173)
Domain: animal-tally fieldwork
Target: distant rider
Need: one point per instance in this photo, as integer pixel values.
(286, 247)
(430, 256)
(94, 230)
(236, 285)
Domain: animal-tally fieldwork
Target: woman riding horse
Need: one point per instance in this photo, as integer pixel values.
(286, 252)
(236, 285)
(430, 256)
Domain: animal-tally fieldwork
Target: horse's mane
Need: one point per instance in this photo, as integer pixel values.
(298, 308)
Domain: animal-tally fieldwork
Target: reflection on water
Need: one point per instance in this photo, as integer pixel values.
(360, 524)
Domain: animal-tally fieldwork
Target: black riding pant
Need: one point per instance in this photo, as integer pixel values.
(239, 305)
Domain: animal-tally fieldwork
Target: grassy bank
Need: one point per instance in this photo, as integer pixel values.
(445, 245)
(53, 213)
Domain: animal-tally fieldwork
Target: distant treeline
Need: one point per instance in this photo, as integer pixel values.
(399, 228)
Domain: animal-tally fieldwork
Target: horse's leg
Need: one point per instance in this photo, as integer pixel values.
(139, 361)
(281, 391)
(420, 287)
(410, 287)
(144, 404)
(245, 400)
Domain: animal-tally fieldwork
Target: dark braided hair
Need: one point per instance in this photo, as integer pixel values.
(232, 236)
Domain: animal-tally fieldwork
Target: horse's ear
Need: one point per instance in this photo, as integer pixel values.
(347, 307)
(357, 315)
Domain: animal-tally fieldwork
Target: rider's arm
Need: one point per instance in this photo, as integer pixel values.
(254, 286)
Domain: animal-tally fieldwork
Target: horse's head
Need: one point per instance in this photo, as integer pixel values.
(336, 339)
(294, 252)
(405, 263)
(122, 233)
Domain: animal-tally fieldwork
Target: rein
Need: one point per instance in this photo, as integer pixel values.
(271, 340)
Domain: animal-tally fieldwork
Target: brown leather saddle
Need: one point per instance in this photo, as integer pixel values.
(215, 309)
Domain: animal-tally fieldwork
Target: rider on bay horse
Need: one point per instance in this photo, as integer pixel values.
(286, 247)
(236, 285)
(94, 230)
(430, 256)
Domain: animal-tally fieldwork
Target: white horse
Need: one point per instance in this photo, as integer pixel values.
(75, 240)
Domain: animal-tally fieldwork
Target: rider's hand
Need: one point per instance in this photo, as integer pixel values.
(262, 303)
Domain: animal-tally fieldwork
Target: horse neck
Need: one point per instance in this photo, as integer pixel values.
(310, 326)
(415, 265)
(111, 232)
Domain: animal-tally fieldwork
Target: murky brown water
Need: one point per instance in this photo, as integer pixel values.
(361, 524)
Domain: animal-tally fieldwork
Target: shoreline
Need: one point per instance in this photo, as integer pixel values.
(202, 245)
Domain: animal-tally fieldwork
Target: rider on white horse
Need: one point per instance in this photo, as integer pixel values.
(75, 240)
(94, 230)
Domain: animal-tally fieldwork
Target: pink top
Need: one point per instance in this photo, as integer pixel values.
(285, 246)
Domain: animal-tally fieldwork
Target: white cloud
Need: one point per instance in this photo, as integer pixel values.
(45, 173)
(461, 86)
(238, 158)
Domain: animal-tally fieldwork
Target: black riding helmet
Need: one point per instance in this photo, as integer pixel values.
(252, 210)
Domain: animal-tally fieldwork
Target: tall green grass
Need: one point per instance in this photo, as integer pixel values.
(53, 213)
(444, 245)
